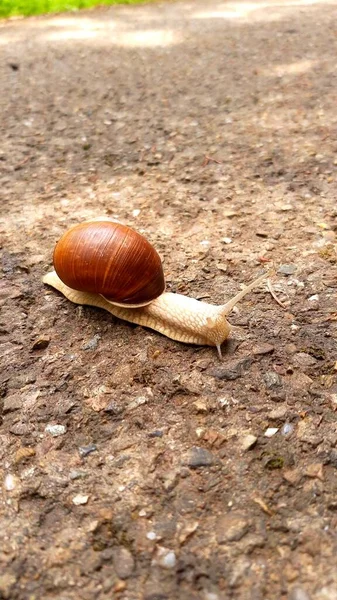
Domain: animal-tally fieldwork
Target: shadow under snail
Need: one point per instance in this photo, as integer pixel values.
(109, 265)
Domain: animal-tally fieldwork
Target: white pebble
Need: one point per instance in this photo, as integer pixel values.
(79, 499)
(270, 431)
(56, 430)
(166, 558)
(314, 298)
(227, 240)
(151, 535)
(10, 482)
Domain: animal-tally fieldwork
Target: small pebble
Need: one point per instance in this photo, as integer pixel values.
(287, 429)
(74, 474)
(314, 298)
(248, 442)
(227, 240)
(55, 430)
(198, 457)
(166, 558)
(151, 535)
(298, 593)
(287, 269)
(231, 527)
(157, 433)
(137, 402)
(10, 482)
(270, 431)
(80, 499)
(92, 344)
(123, 562)
(85, 450)
(272, 380)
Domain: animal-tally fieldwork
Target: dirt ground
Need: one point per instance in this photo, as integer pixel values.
(132, 466)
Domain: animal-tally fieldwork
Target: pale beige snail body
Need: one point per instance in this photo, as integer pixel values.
(108, 265)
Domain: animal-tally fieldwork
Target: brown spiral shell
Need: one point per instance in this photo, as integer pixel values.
(111, 259)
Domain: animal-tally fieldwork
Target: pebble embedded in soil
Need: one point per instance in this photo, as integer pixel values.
(55, 430)
(10, 482)
(287, 269)
(123, 562)
(93, 343)
(272, 380)
(85, 450)
(248, 442)
(270, 432)
(80, 499)
(298, 593)
(165, 558)
(198, 457)
(231, 528)
(232, 369)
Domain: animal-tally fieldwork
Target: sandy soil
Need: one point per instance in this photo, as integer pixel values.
(211, 127)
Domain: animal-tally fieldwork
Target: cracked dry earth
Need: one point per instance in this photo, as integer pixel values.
(132, 466)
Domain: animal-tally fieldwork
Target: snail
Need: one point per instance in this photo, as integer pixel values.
(106, 264)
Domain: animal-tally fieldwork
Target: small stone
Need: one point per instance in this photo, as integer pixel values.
(55, 430)
(298, 593)
(211, 596)
(136, 402)
(113, 408)
(123, 562)
(74, 474)
(201, 405)
(10, 482)
(278, 413)
(85, 450)
(232, 369)
(226, 240)
(80, 499)
(272, 380)
(231, 528)
(156, 434)
(270, 431)
(287, 429)
(315, 470)
(293, 476)
(248, 442)
(333, 458)
(165, 558)
(314, 298)
(7, 581)
(20, 428)
(92, 344)
(198, 457)
(261, 349)
(12, 403)
(151, 535)
(287, 269)
(302, 359)
(41, 343)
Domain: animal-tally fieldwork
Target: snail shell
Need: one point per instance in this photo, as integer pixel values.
(107, 258)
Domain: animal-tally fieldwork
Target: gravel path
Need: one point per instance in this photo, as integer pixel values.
(135, 467)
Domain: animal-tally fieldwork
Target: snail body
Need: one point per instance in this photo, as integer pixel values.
(80, 277)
